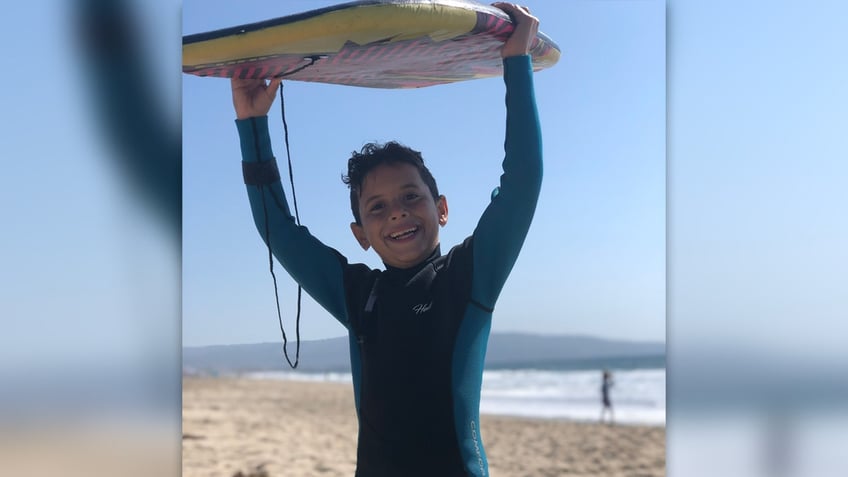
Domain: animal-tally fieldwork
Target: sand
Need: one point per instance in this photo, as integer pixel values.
(288, 428)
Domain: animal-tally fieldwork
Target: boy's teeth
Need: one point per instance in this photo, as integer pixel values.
(403, 233)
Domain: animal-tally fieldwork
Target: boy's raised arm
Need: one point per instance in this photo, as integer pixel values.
(504, 224)
(316, 267)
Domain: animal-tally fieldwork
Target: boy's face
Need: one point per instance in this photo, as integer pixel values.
(399, 217)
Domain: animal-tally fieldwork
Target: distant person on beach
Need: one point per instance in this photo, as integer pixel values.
(606, 384)
(418, 329)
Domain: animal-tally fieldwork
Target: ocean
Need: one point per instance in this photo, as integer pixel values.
(638, 395)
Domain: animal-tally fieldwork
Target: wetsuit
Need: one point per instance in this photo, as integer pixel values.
(417, 336)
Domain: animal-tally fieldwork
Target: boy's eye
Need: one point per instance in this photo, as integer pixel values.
(411, 196)
(376, 207)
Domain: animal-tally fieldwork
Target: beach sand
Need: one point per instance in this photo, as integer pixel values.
(286, 428)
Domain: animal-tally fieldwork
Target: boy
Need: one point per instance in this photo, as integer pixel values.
(418, 329)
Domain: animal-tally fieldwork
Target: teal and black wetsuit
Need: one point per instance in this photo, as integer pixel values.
(417, 336)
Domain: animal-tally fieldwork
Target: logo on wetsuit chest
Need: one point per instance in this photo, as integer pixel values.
(422, 308)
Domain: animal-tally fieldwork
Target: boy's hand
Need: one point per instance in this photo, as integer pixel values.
(526, 27)
(252, 97)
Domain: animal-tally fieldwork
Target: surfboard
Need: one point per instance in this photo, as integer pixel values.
(369, 43)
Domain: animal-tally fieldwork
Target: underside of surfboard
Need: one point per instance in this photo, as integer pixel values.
(376, 43)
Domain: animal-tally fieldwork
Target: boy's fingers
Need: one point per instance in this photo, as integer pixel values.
(511, 6)
(274, 84)
(245, 84)
(511, 9)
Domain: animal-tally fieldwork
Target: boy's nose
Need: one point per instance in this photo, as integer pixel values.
(398, 211)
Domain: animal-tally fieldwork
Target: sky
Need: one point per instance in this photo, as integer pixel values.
(594, 260)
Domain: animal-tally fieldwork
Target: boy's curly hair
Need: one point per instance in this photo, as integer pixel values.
(371, 155)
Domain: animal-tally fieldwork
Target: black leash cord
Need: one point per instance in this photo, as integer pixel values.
(277, 295)
(312, 60)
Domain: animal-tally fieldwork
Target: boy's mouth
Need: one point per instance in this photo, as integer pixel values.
(403, 234)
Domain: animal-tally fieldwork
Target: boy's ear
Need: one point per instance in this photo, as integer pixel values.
(442, 209)
(359, 233)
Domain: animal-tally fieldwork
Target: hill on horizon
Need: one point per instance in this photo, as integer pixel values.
(505, 351)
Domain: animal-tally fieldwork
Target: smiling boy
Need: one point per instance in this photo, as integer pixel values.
(418, 329)
(395, 211)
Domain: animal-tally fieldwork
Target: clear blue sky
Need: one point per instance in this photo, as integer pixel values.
(757, 109)
(594, 260)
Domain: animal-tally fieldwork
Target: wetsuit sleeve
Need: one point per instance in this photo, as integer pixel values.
(503, 226)
(318, 268)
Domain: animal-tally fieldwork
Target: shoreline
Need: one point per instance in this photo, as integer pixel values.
(624, 415)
